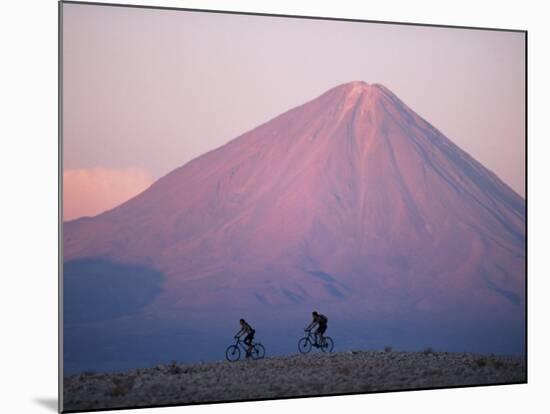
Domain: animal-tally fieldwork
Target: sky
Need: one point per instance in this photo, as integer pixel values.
(145, 91)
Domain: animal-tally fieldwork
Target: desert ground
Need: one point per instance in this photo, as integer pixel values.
(288, 376)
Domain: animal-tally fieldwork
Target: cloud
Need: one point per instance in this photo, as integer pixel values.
(88, 192)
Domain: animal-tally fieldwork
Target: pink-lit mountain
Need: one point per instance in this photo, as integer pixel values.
(350, 201)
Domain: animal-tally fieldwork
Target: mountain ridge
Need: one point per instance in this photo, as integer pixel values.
(352, 185)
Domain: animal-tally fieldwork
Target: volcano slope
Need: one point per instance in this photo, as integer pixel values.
(351, 204)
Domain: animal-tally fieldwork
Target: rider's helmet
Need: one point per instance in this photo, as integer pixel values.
(314, 313)
(241, 320)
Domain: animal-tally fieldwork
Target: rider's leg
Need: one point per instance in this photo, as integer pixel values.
(322, 336)
(248, 342)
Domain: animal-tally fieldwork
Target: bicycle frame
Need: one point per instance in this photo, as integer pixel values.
(312, 337)
(233, 352)
(240, 343)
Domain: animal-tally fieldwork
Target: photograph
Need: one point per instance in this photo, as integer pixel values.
(261, 206)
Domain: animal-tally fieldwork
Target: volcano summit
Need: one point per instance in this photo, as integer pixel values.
(350, 203)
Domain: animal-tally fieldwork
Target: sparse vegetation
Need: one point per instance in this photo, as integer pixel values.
(480, 362)
(118, 391)
(432, 372)
(287, 376)
(387, 348)
(175, 369)
(428, 351)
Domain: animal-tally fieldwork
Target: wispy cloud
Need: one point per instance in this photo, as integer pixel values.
(88, 192)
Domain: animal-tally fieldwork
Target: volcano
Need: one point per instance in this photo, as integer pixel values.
(350, 202)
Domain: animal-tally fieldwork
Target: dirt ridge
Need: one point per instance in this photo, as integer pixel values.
(288, 376)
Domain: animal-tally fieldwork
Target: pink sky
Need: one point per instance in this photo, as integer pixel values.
(145, 91)
(89, 191)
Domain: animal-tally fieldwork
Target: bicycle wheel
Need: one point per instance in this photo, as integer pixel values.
(233, 353)
(328, 344)
(304, 345)
(258, 351)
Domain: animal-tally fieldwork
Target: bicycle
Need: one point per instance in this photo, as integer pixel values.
(233, 352)
(305, 344)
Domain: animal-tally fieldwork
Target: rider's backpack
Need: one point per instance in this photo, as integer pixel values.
(324, 319)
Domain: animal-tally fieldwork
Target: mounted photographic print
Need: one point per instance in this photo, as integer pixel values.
(263, 206)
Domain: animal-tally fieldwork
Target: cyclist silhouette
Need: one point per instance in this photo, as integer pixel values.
(321, 321)
(246, 329)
